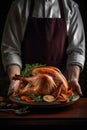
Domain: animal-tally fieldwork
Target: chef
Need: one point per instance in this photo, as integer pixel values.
(48, 32)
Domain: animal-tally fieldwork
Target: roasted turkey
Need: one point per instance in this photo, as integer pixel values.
(44, 80)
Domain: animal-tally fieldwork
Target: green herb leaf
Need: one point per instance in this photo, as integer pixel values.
(73, 96)
(36, 98)
(28, 68)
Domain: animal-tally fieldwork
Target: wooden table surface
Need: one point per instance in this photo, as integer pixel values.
(75, 114)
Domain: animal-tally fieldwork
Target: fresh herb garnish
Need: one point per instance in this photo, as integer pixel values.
(72, 97)
(36, 98)
(28, 68)
(17, 98)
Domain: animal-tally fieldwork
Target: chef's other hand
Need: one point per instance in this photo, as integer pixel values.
(14, 86)
(75, 86)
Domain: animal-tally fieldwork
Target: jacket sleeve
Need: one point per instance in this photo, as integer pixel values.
(76, 36)
(12, 36)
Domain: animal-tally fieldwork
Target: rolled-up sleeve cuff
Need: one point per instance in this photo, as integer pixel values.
(76, 60)
(12, 59)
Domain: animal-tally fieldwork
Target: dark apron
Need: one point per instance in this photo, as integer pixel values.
(45, 41)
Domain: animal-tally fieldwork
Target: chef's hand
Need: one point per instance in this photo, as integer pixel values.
(74, 73)
(75, 86)
(14, 86)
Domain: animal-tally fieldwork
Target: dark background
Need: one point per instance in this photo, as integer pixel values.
(4, 8)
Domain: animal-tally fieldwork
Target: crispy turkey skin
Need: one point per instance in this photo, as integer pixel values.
(44, 80)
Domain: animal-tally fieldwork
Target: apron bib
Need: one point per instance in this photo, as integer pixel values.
(45, 41)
